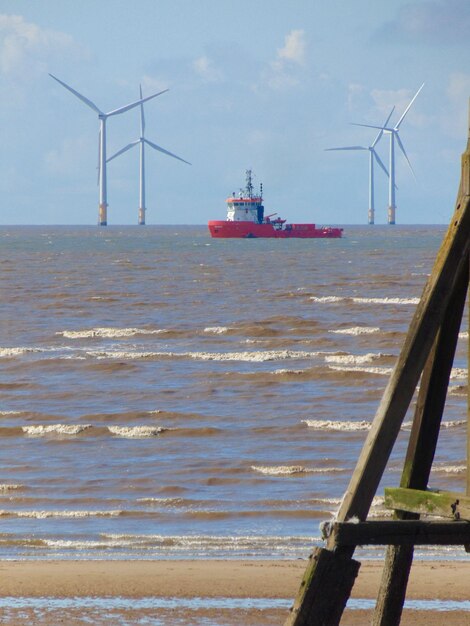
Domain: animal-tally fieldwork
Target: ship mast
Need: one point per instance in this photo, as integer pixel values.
(249, 184)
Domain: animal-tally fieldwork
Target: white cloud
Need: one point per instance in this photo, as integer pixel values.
(294, 47)
(25, 47)
(204, 67)
(290, 58)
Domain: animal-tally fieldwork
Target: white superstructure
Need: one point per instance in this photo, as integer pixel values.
(246, 207)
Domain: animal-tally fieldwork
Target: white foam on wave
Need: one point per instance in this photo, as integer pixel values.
(386, 300)
(453, 423)
(327, 298)
(288, 470)
(463, 334)
(353, 359)
(12, 352)
(356, 330)
(216, 330)
(108, 333)
(380, 371)
(5, 488)
(458, 372)
(450, 469)
(284, 371)
(11, 412)
(350, 426)
(255, 356)
(59, 429)
(135, 432)
(48, 514)
(357, 300)
(331, 425)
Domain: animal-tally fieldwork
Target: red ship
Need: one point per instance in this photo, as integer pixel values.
(246, 220)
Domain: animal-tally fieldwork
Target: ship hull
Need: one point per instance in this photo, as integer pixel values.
(251, 230)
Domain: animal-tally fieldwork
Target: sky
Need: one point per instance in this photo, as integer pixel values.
(262, 84)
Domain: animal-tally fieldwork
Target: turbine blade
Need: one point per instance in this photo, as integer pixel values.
(381, 131)
(380, 162)
(369, 126)
(122, 150)
(88, 102)
(155, 147)
(142, 118)
(134, 104)
(347, 148)
(402, 148)
(397, 126)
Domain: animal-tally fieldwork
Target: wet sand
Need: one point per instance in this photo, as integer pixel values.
(207, 579)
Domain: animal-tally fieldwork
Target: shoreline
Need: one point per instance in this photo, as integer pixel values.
(26, 585)
(443, 580)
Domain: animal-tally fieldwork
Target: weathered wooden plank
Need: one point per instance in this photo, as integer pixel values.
(420, 453)
(401, 533)
(421, 336)
(324, 591)
(441, 503)
(402, 384)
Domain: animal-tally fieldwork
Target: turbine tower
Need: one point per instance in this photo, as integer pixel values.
(103, 202)
(393, 133)
(373, 156)
(142, 141)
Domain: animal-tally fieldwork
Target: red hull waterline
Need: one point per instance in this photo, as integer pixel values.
(251, 230)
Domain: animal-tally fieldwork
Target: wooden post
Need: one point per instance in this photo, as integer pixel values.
(421, 449)
(327, 575)
(318, 602)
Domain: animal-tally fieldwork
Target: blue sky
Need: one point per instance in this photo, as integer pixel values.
(261, 84)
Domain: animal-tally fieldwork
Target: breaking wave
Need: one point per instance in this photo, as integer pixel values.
(48, 514)
(256, 356)
(289, 470)
(216, 330)
(331, 425)
(450, 469)
(356, 330)
(350, 426)
(136, 432)
(12, 352)
(379, 371)
(357, 300)
(108, 333)
(347, 359)
(60, 429)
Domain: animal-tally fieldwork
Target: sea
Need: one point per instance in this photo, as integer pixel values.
(168, 395)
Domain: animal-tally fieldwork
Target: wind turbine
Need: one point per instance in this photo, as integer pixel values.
(142, 141)
(103, 202)
(372, 156)
(393, 132)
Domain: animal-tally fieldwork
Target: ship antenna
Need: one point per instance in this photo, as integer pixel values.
(249, 185)
(261, 190)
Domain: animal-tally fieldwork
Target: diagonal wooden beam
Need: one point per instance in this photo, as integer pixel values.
(317, 588)
(421, 449)
(398, 394)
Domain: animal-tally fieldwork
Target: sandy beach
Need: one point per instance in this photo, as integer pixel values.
(186, 581)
